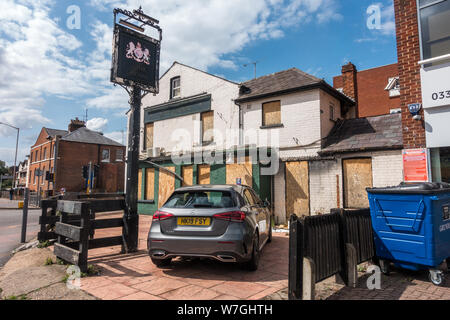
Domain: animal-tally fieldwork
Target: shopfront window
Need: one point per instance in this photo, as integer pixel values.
(440, 164)
(435, 27)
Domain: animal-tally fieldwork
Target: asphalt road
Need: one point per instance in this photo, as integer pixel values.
(11, 228)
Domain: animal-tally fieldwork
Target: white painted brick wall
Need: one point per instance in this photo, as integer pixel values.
(193, 82)
(387, 170)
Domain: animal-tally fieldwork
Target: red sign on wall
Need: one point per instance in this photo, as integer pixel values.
(415, 165)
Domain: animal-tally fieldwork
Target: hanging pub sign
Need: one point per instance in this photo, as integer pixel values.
(135, 56)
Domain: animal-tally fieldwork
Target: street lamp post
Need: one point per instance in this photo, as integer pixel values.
(15, 158)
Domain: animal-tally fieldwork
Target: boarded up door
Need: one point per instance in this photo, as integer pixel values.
(357, 174)
(203, 174)
(240, 170)
(166, 185)
(297, 188)
(187, 173)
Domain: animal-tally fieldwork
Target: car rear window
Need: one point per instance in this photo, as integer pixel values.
(200, 199)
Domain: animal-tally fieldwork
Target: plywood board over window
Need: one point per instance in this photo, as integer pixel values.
(297, 188)
(187, 173)
(140, 184)
(148, 136)
(271, 113)
(207, 119)
(166, 185)
(357, 177)
(241, 171)
(150, 184)
(204, 174)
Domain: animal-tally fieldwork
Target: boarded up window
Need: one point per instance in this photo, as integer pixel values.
(203, 174)
(242, 171)
(150, 184)
(357, 177)
(207, 126)
(140, 184)
(297, 188)
(271, 113)
(166, 185)
(187, 173)
(148, 136)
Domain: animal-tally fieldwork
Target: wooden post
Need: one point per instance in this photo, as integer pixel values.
(309, 279)
(84, 237)
(295, 279)
(131, 218)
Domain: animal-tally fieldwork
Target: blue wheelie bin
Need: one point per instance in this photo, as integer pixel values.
(411, 224)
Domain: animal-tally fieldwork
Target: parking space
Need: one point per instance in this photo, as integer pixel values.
(134, 276)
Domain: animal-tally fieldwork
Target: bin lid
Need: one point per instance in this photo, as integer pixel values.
(415, 188)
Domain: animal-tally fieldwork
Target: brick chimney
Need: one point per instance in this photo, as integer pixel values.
(349, 83)
(76, 124)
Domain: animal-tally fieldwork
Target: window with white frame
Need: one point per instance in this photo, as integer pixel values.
(175, 88)
(119, 155)
(105, 155)
(434, 16)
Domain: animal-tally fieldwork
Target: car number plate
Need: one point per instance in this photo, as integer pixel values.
(194, 221)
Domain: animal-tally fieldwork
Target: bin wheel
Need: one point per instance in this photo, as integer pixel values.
(436, 277)
(385, 266)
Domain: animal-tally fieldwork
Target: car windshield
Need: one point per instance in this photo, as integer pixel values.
(200, 199)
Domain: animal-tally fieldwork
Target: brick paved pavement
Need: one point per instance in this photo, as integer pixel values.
(133, 276)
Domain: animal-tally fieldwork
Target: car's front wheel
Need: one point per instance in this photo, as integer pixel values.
(252, 265)
(161, 262)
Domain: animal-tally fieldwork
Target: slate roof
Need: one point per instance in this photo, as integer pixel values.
(55, 132)
(85, 135)
(363, 134)
(283, 82)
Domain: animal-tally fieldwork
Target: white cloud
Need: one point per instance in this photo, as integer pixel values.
(118, 136)
(8, 154)
(40, 59)
(37, 59)
(97, 124)
(388, 20)
(201, 32)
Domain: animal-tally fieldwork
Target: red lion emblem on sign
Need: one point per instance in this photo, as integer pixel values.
(138, 53)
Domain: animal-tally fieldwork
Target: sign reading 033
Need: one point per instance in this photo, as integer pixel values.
(135, 59)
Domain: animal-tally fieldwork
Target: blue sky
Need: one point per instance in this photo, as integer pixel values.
(50, 73)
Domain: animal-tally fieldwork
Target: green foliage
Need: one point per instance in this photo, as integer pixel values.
(65, 278)
(60, 262)
(43, 244)
(21, 297)
(49, 261)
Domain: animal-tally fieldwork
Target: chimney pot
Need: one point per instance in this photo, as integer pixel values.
(76, 124)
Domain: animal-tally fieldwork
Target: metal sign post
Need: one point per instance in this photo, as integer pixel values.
(25, 215)
(135, 67)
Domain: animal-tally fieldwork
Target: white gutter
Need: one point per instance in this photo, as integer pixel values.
(435, 59)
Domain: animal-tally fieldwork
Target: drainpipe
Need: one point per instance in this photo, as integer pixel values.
(55, 162)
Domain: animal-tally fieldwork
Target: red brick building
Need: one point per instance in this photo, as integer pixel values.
(376, 91)
(423, 46)
(64, 153)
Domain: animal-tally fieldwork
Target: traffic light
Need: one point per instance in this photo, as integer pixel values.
(48, 176)
(96, 170)
(85, 172)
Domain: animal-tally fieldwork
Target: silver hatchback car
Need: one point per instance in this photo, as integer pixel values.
(228, 223)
